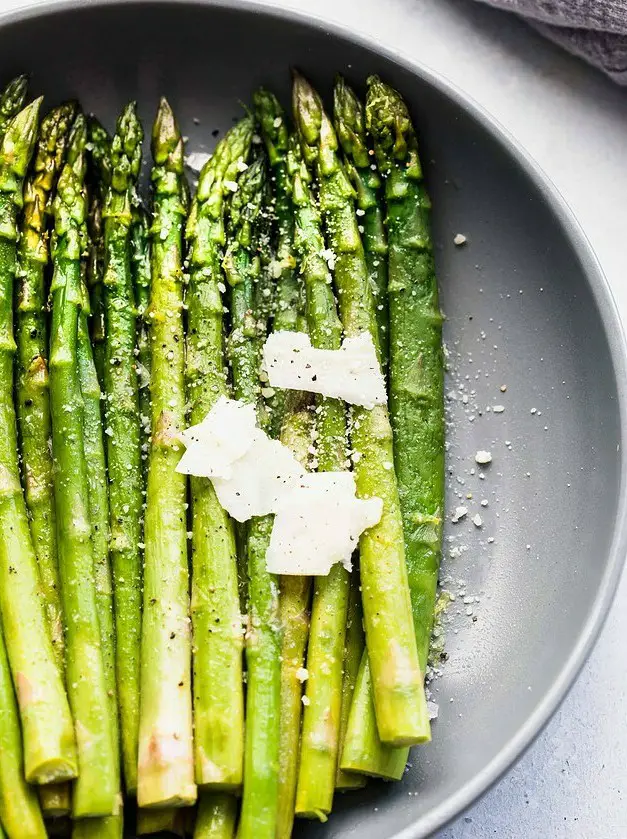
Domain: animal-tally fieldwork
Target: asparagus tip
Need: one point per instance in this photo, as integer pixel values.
(308, 113)
(235, 146)
(19, 139)
(126, 148)
(75, 157)
(99, 147)
(272, 122)
(388, 121)
(166, 136)
(349, 121)
(14, 94)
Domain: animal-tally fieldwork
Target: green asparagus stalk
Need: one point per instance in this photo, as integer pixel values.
(365, 753)
(107, 827)
(123, 428)
(295, 592)
(47, 728)
(416, 358)
(353, 651)
(167, 820)
(12, 101)
(99, 176)
(96, 789)
(33, 401)
(242, 268)
(363, 750)
(400, 703)
(217, 813)
(321, 719)
(216, 616)
(349, 119)
(19, 808)
(416, 401)
(286, 297)
(294, 602)
(166, 760)
(140, 272)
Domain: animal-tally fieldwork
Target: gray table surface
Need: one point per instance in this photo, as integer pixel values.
(570, 783)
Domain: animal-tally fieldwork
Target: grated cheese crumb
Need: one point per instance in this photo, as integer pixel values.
(483, 457)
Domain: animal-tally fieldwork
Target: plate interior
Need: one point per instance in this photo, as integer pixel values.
(523, 331)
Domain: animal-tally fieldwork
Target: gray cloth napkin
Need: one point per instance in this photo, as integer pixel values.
(595, 30)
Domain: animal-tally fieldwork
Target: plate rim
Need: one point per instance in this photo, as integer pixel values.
(605, 300)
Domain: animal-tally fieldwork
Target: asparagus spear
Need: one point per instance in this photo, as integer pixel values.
(47, 728)
(216, 817)
(216, 617)
(348, 113)
(401, 708)
(32, 394)
(96, 790)
(274, 131)
(353, 650)
(294, 603)
(123, 428)
(107, 827)
(166, 820)
(166, 761)
(363, 750)
(320, 735)
(140, 271)
(416, 359)
(416, 394)
(19, 808)
(12, 101)
(33, 401)
(242, 269)
(99, 176)
(365, 753)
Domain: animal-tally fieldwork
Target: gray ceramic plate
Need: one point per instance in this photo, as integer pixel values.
(527, 308)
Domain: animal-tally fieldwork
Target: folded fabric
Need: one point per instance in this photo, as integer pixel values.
(595, 30)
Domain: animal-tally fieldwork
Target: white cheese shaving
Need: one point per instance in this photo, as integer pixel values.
(319, 525)
(196, 160)
(260, 480)
(226, 434)
(351, 373)
(319, 518)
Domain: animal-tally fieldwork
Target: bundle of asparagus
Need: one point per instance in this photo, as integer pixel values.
(128, 594)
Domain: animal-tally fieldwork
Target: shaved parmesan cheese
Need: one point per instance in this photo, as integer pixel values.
(351, 373)
(320, 524)
(196, 160)
(319, 518)
(227, 432)
(260, 480)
